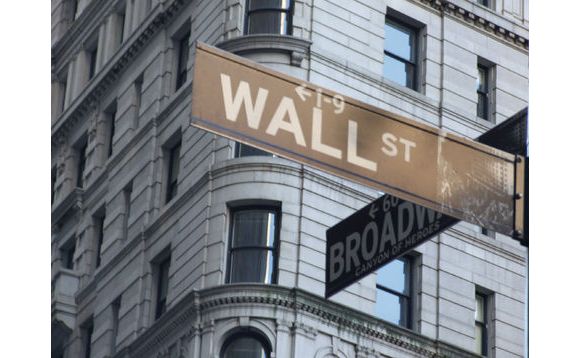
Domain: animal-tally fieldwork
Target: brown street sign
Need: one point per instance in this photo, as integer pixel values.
(390, 227)
(247, 102)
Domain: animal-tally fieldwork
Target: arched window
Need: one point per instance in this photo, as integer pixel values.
(245, 345)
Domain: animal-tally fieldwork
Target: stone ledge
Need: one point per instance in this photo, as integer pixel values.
(296, 47)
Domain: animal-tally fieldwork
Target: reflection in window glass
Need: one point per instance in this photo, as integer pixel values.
(245, 347)
(269, 17)
(393, 302)
(253, 246)
(481, 324)
(244, 150)
(400, 53)
(483, 92)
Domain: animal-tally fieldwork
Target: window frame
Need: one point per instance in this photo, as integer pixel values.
(111, 118)
(260, 152)
(173, 153)
(81, 161)
(183, 51)
(115, 312)
(488, 92)
(416, 29)
(87, 331)
(275, 249)
(67, 253)
(409, 297)
(99, 234)
(486, 297)
(160, 305)
(247, 332)
(289, 12)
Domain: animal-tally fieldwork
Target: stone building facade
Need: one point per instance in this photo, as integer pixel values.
(168, 241)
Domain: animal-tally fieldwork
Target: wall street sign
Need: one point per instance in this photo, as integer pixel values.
(239, 99)
(390, 227)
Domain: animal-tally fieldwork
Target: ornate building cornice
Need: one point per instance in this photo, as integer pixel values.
(111, 72)
(479, 22)
(198, 309)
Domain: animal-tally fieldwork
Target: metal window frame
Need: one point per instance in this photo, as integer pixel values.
(484, 324)
(174, 153)
(485, 92)
(275, 250)
(409, 285)
(182, 60)
(161, 304)
(414, 49)
(288, 11)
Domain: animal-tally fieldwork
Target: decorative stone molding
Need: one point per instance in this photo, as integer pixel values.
(295, 47)
(478, 22)
(111, 72)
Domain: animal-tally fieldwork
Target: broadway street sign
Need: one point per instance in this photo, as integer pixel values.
(250, 103)
(389, 227)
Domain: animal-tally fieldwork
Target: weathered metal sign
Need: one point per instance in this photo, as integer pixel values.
(389, 227)
(242, 100)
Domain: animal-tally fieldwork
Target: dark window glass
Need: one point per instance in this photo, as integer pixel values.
(483, 2)
(81, 162)
(73, 7)
(245, 347)
(244, 150)
(138, 89)
(269, 17)
(87, 334)
(173, 172)
(127, 201)
(253, 245)
(182, 59)
(63, 95)
(112, 119)
(162, 287)
(481, 324)
(400, 57)
(92, 62)
(52, 185)
(394, 292)
(67, 254)
(121, 26)
(100, 228)
(115, 308)
(483, 92)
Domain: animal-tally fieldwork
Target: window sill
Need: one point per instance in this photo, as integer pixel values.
(296, 47)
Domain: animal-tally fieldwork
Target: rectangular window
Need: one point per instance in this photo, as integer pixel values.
(173, 171)
(393, 302)
(127, 191)
(253, 245)
(269, 17)
(87, 337)
(99, 222)
(52, 185)
(92, 62)
(138, 88)
(483, 91)
(481, 324)
(244, 150)
(182, 59)
(121, 24)
(115, 309)
(400, 53)
(162, 286)
(81, 163)
(111, 119)
(488, 232)
(67, 255)
(483, 2)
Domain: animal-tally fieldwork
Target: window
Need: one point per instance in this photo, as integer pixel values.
(488, 232)
(172, 171)
(182, 59)
(92, 62)
(52, 185)
(244, 150)
(394, 292)
(115, 309)
(138, 87)
(400, 53)
(99, 222)
(81, 162)
(481, 323)
(121, 23)
(485, 3)
(111, 118)
(67, 255)
(253, 245)
(245, 345)
(162, 285)
(269, 17)
(87, 337)
(127, 191)
(483, 91)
